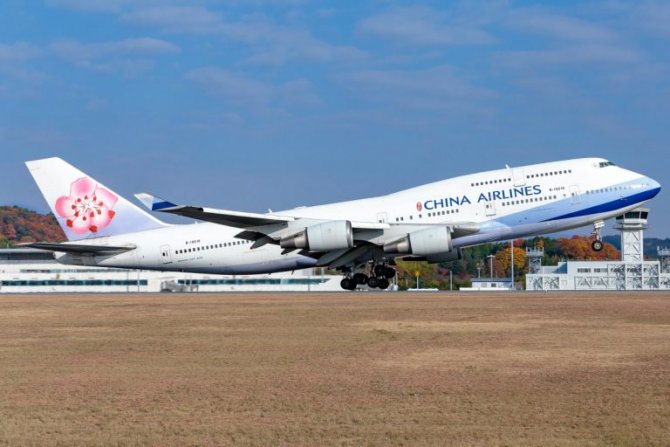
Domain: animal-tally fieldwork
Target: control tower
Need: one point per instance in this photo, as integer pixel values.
(632, 226)
(534, 258)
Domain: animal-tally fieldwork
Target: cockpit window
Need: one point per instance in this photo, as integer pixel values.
(606, 163)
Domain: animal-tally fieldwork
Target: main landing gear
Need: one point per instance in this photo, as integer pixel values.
(597, 244)
(379, 278)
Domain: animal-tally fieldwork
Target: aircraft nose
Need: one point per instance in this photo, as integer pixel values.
(654, 186)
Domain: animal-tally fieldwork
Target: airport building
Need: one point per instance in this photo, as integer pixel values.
(489, 285)
(632, 272)
(36, 271)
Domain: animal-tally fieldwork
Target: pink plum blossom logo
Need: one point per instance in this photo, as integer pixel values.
(418, 206)
(87, 208)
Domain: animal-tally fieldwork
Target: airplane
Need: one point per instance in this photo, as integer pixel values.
(360, 238)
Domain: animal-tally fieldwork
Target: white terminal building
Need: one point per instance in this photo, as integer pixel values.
(632, 272)
(36, 271)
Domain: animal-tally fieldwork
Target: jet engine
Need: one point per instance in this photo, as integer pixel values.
(426, 242)
(326, 236)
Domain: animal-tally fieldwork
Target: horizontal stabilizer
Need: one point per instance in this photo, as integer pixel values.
(236, 219)
(80, 248)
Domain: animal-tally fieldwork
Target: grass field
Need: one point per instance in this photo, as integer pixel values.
(336, 369)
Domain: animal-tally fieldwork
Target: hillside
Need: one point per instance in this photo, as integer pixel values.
(19, 225)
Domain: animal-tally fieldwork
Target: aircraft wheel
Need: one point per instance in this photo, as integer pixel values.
(389, 272)
(380, 270)
(360, 278)
(347, 284)
(373, 282)
(597, 245)
(383, 284)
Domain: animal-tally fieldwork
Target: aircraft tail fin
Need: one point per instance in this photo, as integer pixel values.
(84, 207)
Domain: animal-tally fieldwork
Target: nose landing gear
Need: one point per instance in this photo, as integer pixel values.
(597, 244)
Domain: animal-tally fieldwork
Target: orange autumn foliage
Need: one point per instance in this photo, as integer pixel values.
(19, 225)
(579, 248)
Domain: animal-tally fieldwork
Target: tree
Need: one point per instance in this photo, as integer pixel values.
(503, 260)
(22, 225)
(407, 273)
(579, 248)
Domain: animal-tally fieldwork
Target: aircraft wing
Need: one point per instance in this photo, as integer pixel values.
(236, 219)
(82, 249)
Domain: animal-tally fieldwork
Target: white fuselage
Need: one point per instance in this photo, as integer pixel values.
(506, 204)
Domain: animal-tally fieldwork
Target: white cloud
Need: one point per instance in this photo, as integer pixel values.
(17, 52)
(269, 43)
(573, 41)
(184, 19)
(237, 89)
(274, 45)
(76, 51)
(242, 91)
(420, 25)
(573, 55)
(299, 92)
(326, 12)
(20, 79)
(129, 57)
(88, 5)
(559, 26)
(100, 6)
(437, 88)
(652, 17)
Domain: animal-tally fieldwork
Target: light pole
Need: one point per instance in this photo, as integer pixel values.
(451, 281)
(491, 265)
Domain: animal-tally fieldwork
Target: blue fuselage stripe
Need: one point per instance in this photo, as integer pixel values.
(610, 206)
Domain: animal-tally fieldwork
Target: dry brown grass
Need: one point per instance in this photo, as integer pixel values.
(336, 369)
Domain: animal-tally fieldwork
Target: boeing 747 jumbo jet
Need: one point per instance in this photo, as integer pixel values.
(360, 238)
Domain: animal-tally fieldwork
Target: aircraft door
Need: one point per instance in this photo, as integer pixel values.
(166, 255)
(490, 208)
(518, 177)
(382, 217)
(575, 195)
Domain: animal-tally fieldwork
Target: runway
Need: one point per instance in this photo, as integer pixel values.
(453, 369)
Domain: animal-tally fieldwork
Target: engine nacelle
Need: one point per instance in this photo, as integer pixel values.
(427, 242)
(453, 255)
(322, 237)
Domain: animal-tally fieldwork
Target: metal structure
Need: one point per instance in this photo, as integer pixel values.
(664, 258)
(632, 272)
(632, 226)
(534, 258)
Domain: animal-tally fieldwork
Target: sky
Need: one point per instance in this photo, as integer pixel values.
(259, 104)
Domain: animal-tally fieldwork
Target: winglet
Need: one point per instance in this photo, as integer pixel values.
(154, 203)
